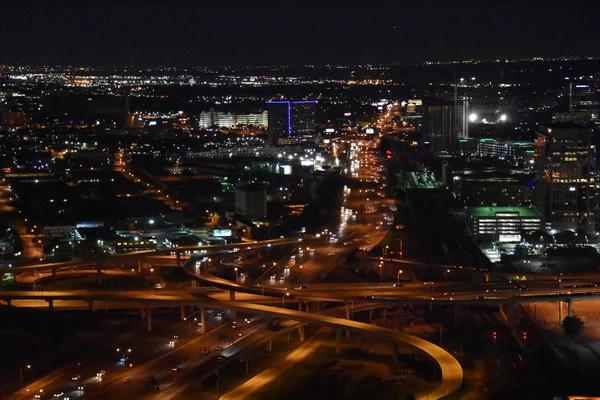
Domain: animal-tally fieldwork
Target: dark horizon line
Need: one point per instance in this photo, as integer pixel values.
(309, 65)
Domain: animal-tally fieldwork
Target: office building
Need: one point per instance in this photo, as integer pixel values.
(289, 119)
(230, 120)
(565, 187)
(445, 122)
(251, 200)
(504, 224)
(584, 98)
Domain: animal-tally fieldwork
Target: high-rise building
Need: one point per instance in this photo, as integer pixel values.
(289, 118)
(584, 97)
(565, 187)
(445, 121)
(251, 200)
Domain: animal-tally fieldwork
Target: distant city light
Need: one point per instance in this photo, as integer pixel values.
(503, 117)
(473, 117)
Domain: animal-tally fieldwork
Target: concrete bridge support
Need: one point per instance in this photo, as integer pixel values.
(194, 283)
(370, 315)
(301, 332)
(8, 302)
(560, 312)
(300, 305)
(486, 277)
(50, 304)
(53, 277)
(270, 345)
(142, 313)
(338, 341)
(395, 354)
(202, 321)
(99, 276)
(182, 312)
(149, 319)
(232, 295)
(347, 317)
(569, 307)
(140, 265)
(178, 258)
(91, 305)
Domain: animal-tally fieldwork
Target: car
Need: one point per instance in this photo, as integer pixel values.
(219, 314)
(175, 336)
(369, 297)
(398, 285)
(303, 287)
(218, 348)
(233, 326)
(220, 358)
(151, 379)
(171, 343)
(240, 334)
(125, 380)
(428, 283)
(81, 387)
(248, 320)
(60, 394)
(155, 388)
(76, 378)
(38, 396)
(175, 369)
(205, 351)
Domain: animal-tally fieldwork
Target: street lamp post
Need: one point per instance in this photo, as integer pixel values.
(283, 300)
(26, 367)
(401, 249)
(381, 275)
(236, 275)
(399, 272)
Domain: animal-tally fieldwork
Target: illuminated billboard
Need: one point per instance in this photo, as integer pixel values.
(221, 232)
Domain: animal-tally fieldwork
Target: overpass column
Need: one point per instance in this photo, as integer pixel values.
(338, 341)
(560, 317)
(8, 302)
(395, 353)
(300, 305)
(202, 320)
(570, 307)
(401, 318)
(149, 319)
(270, 345)
(182, 312)
(317, 306)
(486, 277)
(140, 265)
(50, 304)
(142, 313)
(347, 317)
(384, 315)
(194, 283)
(370, 315)
(301, 332)
(178, 257)
(99, 270)
(455, 316)
(53, 277)
(91, 305)
(232, 295)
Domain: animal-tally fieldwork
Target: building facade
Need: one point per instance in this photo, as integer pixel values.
(504, 223)
(565, 184)
(219, 119)
(289, 118)
(445, 122)
(251, 200)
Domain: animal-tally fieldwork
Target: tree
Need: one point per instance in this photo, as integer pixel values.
(572, 325)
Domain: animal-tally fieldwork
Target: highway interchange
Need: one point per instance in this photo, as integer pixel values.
(259, 301)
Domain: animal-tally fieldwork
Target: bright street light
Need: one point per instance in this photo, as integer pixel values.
(473, 117)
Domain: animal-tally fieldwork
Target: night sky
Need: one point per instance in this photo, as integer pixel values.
(216, 32)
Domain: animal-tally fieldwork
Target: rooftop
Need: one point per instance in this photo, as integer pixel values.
(492, 211)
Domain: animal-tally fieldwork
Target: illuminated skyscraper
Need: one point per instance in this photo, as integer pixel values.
(445, 121)
(289, 118)
(565, 187)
